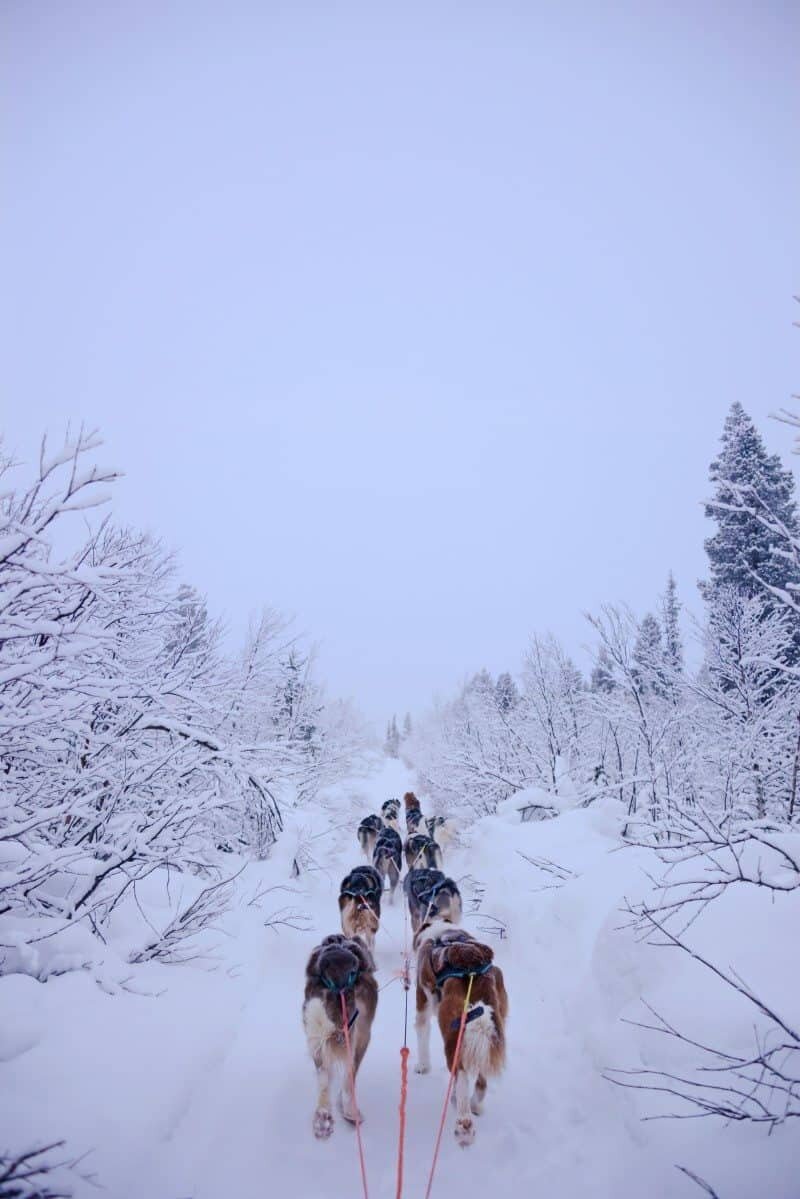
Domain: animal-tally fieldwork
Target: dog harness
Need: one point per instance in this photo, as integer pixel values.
(430, 893)
(350, 982)
(362, 887)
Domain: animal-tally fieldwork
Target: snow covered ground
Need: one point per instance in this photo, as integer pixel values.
(203, 1089)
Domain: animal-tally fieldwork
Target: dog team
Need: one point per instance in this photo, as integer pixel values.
(451, 968)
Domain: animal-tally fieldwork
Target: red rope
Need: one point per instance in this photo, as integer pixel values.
(405, 974)
(450, 1082)
(351, 1068)
(404, 1052)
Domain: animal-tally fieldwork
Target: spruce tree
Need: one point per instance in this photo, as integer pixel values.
(506, 692)
(742, 551)
(648, 655)
(392, 743)
(670, 619)
(407, 726)
(602, 676)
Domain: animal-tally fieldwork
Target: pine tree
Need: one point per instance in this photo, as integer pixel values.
(481, 683)
(670, 619)
(648, 654)
(602, 676)
(407, 726)
(743, 551)
(392, 744)
(506, 693)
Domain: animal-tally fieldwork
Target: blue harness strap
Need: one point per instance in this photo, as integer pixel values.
(459, 972)
(473, 1014)
(432, 892)
(349, 983)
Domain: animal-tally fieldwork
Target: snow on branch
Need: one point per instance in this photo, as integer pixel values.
(37, 1174)
(175, 942)
(132, 746)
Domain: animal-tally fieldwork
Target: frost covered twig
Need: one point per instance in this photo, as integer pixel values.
(762, 1087)
(35, 1174)
(701, 1182)
(173, 943)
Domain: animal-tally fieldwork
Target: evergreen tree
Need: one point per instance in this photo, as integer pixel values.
(670, 613)
(392, 744)
(481, 683)
(602, 676)
(407, 727)
(648, 656)
(742, 550)
(506, 693)
(190, 629)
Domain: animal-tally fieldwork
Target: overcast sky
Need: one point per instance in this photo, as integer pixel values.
(418, 320)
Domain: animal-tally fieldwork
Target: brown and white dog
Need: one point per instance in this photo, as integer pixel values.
(338, 967)
(360, 904)
(446, 958)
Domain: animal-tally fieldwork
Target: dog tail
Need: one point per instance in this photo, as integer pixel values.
(482, 1051)
(319, 1031)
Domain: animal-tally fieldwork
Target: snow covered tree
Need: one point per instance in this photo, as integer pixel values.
(744, 553)
(130, 743)
(554, 700)
(407, 726)
(648, 656)
(602, 676)
(640, 730)
(670, 620)
(391, 745)
(506, 692)
(748, 746)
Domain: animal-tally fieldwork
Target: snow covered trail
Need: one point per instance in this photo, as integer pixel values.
(207, 1091)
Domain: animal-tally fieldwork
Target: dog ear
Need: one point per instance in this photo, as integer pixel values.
(365, 959)
(332, 939)
(312, 965)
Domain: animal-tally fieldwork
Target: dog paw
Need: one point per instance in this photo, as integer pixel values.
(323, 1124)
(465, 1131)
(422, 1068)
(476, 1107)
(352, 1114)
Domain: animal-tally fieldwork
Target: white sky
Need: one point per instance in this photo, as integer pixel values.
(418, 320)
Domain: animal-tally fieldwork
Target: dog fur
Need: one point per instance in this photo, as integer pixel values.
(440, 828)
(430, 896)
(414, 819)
(360, 904)
(368, 831)
(483, 1046)
(422, 850)
(387, 858)
(335, 958)
(390, 811)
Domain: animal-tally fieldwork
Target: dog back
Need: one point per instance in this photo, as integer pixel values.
(446, 958)
(422, 850)
(387, 856)
(339, 966)
(431, 896)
